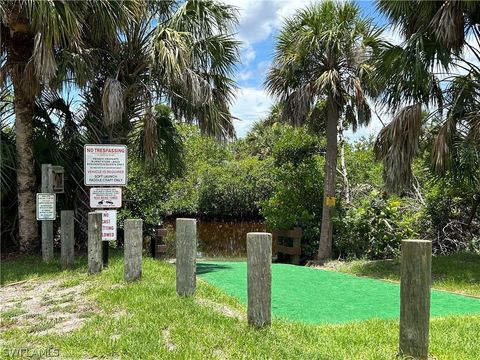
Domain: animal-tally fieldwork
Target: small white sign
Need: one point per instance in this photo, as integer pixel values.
(109, 224)
(105, 165)
(107, 197)
(46, 206)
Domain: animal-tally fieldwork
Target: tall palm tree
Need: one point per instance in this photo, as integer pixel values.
(324, 53)
(41, 46)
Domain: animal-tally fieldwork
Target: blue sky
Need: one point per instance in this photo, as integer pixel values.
(260, 21)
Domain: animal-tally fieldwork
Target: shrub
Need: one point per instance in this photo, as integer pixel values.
(375, 229)
(298, 192)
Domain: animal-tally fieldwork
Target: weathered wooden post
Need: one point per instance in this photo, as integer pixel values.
(67, 238)
(415, 297)
(47, 225)
(259, 278)
(94, 242)
(133, 249)
(186, 248)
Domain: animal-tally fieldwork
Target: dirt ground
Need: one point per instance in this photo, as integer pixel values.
(47, 307)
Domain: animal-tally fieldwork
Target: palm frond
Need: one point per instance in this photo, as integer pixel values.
(156, 141)
(442, 146)
(112, 101)
(397, 145)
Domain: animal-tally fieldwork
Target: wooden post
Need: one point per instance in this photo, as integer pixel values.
(259, 278)
(47, 225)
(67, 238)
(94, 242)
(415, 297)
(186, 248)
(133, 249)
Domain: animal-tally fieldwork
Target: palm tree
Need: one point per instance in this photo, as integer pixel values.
(427, 69)
(324, 53)
(42, 45)
(186, 61)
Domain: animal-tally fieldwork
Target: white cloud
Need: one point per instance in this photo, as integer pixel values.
(393, 35)
(250, 105)
(258, 19)
(247, 54)
(244, 75)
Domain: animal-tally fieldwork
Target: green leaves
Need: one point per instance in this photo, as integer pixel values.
(374, 229)
(324, 52)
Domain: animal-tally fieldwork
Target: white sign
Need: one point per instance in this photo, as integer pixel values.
(105, 165)
(109, 224)
(107, 197)
(46, 206)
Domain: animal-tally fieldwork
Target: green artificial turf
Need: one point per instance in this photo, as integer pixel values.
(318, 296)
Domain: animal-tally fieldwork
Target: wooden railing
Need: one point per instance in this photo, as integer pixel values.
(288, 245)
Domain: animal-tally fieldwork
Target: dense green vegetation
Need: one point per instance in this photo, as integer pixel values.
(147, 320)
(159, 76)
(275, 173)
(122, 58)
(162, 91)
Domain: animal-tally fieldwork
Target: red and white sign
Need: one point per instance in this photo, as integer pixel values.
(109, 224)
(106, 197)
(105, 165)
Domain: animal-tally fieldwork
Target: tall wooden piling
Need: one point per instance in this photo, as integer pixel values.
(94, 242)
(133, 249)
(67, 238)
(415, 298)
(47, 225)
(186, 253)
(259, 278)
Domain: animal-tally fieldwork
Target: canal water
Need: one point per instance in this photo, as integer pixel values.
(221, 238)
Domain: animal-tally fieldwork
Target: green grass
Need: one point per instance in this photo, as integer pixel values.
(11, 313)
(458, 273)
(133, 318)
(318, 296)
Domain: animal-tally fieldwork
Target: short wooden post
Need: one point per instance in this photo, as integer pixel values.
(415, 298)
(67, 238)
(47, 225)
(186, 253)
(133, 249)
(259, 278)
(94, 242)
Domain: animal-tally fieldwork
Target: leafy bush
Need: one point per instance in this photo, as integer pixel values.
(143, 196)
(448, 218)
(235, 189)
(216, 185)
(298, 192)
(374, 229)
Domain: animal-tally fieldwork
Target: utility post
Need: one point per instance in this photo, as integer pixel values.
(47, 225)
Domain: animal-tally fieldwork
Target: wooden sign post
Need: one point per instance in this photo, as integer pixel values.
(47, 225)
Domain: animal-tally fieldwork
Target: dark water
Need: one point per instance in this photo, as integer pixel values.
(222, 238)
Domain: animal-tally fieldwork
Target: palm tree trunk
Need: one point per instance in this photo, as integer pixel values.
(26, 184)
(325, 245)
(343, 167)
(20, 49)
